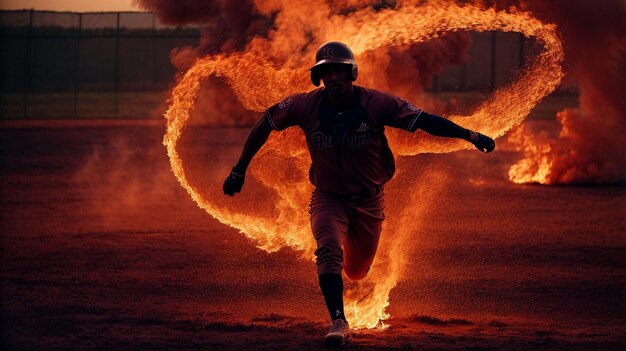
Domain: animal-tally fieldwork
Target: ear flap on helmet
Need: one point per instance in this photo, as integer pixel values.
(315, 77)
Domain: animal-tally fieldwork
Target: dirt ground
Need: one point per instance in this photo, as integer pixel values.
(102, 249)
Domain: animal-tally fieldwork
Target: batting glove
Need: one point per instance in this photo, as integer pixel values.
(234, 182)
(482, 142)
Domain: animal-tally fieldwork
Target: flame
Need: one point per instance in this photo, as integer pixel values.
(583, 153)
(536, 165)
(282, 165)
(590, 147)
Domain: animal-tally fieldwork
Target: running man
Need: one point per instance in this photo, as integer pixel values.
(351, 161)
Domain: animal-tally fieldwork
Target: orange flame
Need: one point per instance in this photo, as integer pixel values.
(283, 163)
(536, 165)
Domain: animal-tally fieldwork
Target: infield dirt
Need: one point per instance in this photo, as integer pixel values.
(102, 249)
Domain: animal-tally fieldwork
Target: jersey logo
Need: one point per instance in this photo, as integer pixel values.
(358, 141)
(320, 141)
(284, 103)
(328, 52)
(363, 127)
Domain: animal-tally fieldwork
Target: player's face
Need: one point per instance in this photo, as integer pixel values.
(337, 78)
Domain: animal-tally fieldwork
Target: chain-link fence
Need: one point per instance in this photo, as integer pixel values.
(117, 64)
(64, 65)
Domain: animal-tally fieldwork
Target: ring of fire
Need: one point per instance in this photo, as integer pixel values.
(258, 85)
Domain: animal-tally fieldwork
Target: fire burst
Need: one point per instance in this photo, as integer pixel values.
(283, 162)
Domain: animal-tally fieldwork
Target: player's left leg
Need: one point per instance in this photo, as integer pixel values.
(361, 241)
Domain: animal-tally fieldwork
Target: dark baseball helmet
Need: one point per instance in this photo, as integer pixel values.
(332, 52)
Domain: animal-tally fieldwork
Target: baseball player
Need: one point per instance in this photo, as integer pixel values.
(344, 127)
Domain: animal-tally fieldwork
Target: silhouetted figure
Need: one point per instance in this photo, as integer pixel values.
(344, 126)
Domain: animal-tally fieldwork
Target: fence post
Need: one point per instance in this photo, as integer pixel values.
(493, 60)
(77, 62)
(464, 77)
(27, 63)
(154, 63)
(117, 63)
(436, 84)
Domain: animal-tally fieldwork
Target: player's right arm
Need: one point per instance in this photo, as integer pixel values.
(277, 117)
(256, 139)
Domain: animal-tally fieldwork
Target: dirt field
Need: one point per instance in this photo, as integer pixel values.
(102, 249)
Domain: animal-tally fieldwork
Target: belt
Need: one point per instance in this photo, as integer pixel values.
(366, 193)
(361, 195)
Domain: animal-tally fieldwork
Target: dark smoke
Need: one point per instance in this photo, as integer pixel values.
(284, 30)
(594, 39)
(591, 148)
(229, 25)
(406, 70)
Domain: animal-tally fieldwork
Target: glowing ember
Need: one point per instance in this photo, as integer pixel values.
(282, 165)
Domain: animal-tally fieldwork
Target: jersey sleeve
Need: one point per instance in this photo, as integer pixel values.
(401, 113)
(283, 114)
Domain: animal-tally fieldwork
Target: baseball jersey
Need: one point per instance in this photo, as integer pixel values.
(349, 151)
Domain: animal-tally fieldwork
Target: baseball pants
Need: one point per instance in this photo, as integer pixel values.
(347, 231)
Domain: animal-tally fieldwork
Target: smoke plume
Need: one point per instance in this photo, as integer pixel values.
(591, 147)
(289, 32)
(118, 163)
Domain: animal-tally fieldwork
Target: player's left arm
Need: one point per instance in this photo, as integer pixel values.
(442, 127)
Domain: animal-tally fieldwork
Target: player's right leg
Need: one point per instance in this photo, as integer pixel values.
(329, 223)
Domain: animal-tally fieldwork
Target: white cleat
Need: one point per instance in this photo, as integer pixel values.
(339, 334)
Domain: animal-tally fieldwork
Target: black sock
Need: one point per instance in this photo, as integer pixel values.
(332, 289)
